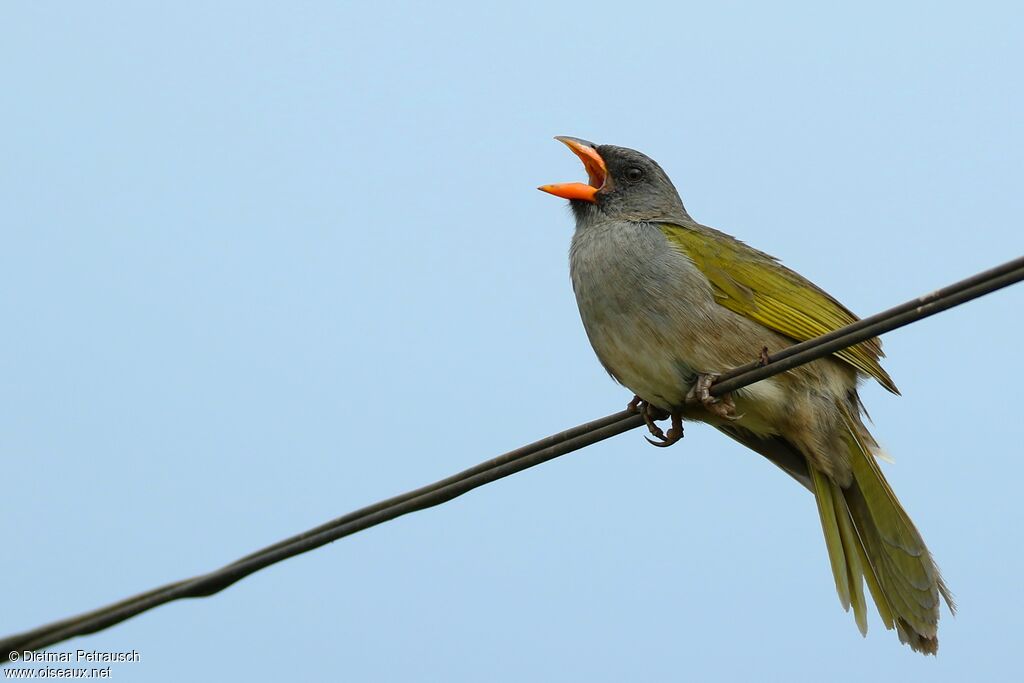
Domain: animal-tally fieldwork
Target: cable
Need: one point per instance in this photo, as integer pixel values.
(418, 499)
(504, 465)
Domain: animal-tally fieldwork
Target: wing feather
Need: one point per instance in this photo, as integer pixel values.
(756, 285)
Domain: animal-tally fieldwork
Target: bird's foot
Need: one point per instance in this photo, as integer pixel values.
(700, 395)
(650, 414)
(675, 433)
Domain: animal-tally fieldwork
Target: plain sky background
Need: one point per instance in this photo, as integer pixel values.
(264, 263)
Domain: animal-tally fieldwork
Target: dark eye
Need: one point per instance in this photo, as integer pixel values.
(634, 174)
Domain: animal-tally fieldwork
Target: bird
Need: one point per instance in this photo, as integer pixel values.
(668, 304)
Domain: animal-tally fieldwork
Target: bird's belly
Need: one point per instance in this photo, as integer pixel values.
(640, 359)
(663, 373)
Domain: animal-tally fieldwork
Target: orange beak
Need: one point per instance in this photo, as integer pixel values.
(596, 172)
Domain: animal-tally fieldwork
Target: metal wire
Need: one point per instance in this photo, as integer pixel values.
(504, 465)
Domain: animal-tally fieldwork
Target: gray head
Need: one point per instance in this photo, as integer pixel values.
(624, 185)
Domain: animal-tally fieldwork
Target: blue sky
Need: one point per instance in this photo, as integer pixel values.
(263, 264)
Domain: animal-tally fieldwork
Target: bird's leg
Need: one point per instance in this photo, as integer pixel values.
(700, 395)
(654, 429)
(675, 432)
(650, 414)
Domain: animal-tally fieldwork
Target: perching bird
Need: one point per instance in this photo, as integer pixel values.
(667, 303)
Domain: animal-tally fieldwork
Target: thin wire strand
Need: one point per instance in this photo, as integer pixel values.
(504, 465)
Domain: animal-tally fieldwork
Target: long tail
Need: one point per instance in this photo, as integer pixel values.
(871, 539)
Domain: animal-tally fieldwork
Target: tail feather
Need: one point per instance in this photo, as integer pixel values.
(855, 566)
(870, 538)
(827, 510)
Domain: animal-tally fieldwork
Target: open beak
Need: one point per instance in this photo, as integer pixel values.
(596, 172)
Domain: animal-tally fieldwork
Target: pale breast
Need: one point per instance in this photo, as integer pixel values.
(636, 295)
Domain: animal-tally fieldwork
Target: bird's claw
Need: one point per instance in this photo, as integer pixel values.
(675, 433)
(638, 405)
(700, 395)
(650, 414)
